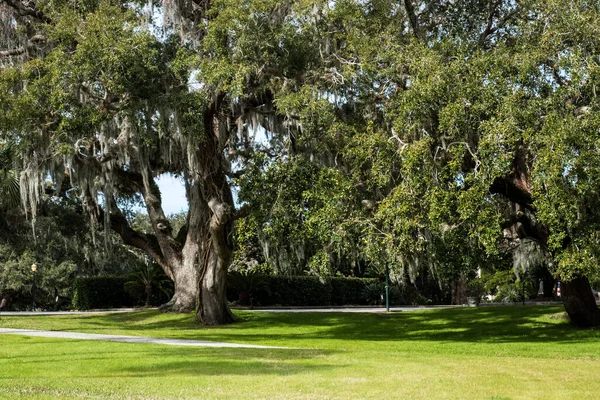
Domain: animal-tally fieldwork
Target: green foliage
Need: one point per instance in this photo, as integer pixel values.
(150, 283)
(61, 246)
(346, 291)
(296, 291)
(248, 283)
(430, 141)
(373, 293)
(497, 280)
(100, 292)
(476, 288)
(252, 287)
(509, 293)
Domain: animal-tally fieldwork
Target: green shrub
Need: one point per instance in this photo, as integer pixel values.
(509, 293)
(269, 290)
(149, 285)
(247, 284)
(373, 293)
(100, 292)
(476, 288)
(299, 291)
(349, 291)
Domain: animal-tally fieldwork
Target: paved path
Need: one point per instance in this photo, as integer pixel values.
(341, 309)
(129, 339)
(360, 309)
(114, 310)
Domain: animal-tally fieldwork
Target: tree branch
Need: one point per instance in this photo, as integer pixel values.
(21, 50)
(412, 17)
(13, 52)
(512, 192)
(490, 29)
(242, 212)
(142, 241)
(25, 11)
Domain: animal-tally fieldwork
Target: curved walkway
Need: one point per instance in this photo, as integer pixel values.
(129, 339)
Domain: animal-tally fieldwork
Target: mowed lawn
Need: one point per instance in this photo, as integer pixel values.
(460, 353)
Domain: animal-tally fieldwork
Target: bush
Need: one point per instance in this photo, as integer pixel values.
(100, 292)
(347, 291)
(509, 293)
(373, 293)
(312, 291)
(297, 291)
(476, 288)
(247, 283)
(300, 290)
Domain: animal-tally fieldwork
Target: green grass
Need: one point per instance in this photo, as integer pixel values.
(465, 353)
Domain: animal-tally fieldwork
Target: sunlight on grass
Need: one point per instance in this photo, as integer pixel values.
(486, 353)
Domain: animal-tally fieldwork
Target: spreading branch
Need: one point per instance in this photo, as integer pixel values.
(26, 11)
(512, 192)
(242, 212)
(490, 28)
(413, 18)
(21, 50)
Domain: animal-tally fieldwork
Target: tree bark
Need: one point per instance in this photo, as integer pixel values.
(148, 291)
(178, 260)
(459, 291)
(213, 308)
(185, 295)
(215, 245)
(579, 302)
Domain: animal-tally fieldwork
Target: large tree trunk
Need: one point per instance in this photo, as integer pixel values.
(216, 246)
(185, 280)
(185, 275)
(576, 294)
(579, 302)
(213, 308)
(459, 291)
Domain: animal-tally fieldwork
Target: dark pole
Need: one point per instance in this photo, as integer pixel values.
(523, 289)
(387, 289)
(33, 291)
(34, 269)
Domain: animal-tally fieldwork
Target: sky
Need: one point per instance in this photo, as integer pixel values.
(173, 194)
(173, 197)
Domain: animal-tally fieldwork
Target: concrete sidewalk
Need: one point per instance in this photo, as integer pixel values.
(129, 339)
(89, 312)
(354, 309)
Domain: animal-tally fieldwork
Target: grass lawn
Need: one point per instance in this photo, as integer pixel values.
(464, 353)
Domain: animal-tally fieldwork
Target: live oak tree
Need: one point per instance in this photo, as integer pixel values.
(472, 127)
(108, 100)
(108, 96)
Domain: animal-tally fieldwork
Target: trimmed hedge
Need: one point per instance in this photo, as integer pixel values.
(100, 292)
(350, 291)
(309, 291)
(109, 292)
(297, 291)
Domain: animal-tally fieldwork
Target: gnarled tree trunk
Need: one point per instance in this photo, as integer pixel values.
(185, 281)
(216, 247)
(213, 307)
(579, 302)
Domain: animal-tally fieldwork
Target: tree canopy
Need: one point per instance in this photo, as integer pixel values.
(432, 136)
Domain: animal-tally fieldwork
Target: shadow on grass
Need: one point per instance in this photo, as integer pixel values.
(140, 360)
(529, 324)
